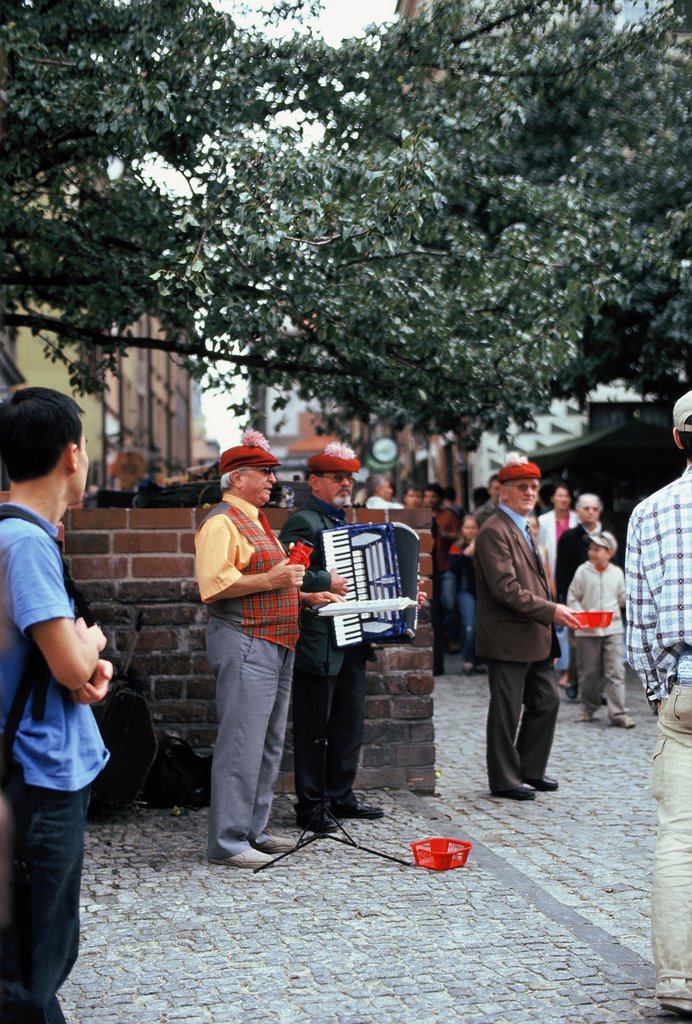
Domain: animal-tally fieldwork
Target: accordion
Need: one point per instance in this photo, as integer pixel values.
(380, 562)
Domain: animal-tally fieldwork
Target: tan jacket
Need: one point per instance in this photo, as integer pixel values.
(515, 612)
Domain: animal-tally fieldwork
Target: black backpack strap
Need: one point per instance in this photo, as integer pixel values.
(34, 677)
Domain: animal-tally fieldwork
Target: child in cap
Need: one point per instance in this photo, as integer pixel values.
(600, 586)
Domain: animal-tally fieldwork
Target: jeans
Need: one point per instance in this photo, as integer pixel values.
(671, 911)
(562, 663)
(40, 946)
(466, 603)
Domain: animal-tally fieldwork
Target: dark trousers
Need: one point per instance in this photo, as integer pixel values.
(40, 946)
(524, 703)
(339, 701)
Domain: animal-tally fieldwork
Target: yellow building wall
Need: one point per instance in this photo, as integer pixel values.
(38, 371)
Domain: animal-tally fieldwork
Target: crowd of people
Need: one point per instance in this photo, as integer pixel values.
(511, 583)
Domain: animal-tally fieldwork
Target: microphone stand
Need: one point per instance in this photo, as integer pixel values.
(322, 812)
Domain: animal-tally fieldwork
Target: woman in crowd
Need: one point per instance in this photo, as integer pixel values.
(461, 564)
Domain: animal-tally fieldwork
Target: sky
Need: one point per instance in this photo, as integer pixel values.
(341, 19)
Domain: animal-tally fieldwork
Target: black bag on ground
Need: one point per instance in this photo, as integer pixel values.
(127, 728)
(179, 777)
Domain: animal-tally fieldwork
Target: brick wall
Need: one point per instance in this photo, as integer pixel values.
(128, 560)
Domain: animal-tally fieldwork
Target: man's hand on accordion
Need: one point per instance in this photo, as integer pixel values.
(338, 585)
(321, 597)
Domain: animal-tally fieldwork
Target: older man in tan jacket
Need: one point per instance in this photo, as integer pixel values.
(515, 635)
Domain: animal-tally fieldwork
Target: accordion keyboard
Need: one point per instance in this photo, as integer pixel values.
(366, 557)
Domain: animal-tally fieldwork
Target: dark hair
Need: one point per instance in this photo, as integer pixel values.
(435, 488)
(449, 494)
(561, 485)
(36, 425)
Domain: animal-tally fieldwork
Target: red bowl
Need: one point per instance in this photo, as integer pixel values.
(594, 620)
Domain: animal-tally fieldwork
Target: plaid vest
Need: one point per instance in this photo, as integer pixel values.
(272, 615)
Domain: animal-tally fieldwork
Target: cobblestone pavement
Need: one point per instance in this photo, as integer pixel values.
(548, 921)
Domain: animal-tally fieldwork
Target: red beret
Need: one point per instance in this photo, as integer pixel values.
(519, 471)
(335, 457)
(254, 451)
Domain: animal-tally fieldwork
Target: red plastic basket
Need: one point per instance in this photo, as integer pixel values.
(440, 854)
(594, 620)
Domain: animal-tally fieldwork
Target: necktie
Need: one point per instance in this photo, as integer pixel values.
(264, 523)
(534, 549)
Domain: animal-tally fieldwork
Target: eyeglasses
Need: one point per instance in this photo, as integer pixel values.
(267, 470)
(337, 477)
(526, 486)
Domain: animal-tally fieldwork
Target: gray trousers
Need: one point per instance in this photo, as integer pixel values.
(601, 667)
(523, 709)
(253, 687)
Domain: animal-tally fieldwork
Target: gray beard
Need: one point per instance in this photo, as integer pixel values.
(342, 502)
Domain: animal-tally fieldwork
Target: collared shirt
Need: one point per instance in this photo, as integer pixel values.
(523, 524)
(659, 585)
(221, 550)
(337, 513)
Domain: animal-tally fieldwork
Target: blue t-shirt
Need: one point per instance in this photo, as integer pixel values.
(63, 750)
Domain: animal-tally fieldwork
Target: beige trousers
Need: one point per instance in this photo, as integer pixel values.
(601, 668)
(671, 912)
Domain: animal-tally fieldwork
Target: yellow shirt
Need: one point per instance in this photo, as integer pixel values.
(221, 550)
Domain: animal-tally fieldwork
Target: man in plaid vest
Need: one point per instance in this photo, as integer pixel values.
(253, 599)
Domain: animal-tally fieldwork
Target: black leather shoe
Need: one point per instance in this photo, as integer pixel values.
(544, 785)
(357, 811)
(515, 794)
(571, 692)
(320, 824)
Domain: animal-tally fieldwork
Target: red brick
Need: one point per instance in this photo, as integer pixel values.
(415, 754)
(167, 689)
(145, 541)
(96, 519)
(179, 711)
(421, 780)
(420, 684)
(379, 733)
(163, 664)
(145, 590)
(421, 732)
(153, 639)
(187, 543)
(377, 707)
(149, 567)
(93, 568)
(425, 566)
(408, 658)
(162, 518)
(381, 778)
(201, 688)
(378, 757)
(169, 614)
(417, 518)
(87, 543)
(426, 543)
(414, 707)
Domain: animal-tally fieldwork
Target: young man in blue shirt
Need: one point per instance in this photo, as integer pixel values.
(57, 750)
